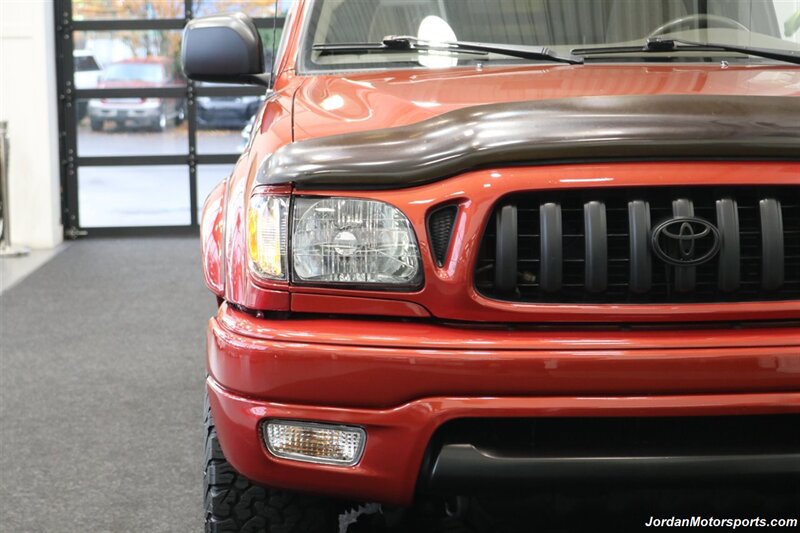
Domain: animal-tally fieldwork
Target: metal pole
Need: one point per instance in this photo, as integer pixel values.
(6, 249)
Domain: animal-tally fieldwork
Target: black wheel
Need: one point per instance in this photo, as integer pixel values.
(180, 115)
(234, 504)
(160, 124)
(97, 125)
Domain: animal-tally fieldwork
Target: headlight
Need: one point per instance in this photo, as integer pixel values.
(345, 240)
(333, 240)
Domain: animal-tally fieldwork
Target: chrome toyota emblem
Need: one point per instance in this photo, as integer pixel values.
(685, 241)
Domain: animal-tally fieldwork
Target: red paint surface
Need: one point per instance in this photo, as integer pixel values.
(211, 234)
(327, 105)
(449, 291)
(355, 363)
(301, 108)
(401, 381)
(397, 437)
(400, 378)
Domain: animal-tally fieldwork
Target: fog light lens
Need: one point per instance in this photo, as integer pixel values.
(314, 442)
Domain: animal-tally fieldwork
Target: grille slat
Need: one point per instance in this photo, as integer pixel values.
(505, 274)
(594, 246)
(596, 231)
(551, 269)
(771, 244)
(729, 267)
(641, 268)
(685, 277)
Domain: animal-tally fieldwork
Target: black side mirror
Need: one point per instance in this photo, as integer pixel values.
(224, 49)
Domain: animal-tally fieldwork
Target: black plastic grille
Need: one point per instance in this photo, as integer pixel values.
(596, 246)
(626, 436)
(440, 229)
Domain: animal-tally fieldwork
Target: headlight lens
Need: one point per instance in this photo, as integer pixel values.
(267, 229)
(346, 240)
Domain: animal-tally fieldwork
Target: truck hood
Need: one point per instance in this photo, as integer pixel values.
(345, 103)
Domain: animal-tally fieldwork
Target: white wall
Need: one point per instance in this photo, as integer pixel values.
(28, 101)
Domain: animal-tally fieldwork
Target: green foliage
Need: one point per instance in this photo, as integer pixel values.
(791, 25)
(142, 43)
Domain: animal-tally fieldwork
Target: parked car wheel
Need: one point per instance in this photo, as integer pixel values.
(160, 124)
(233, 503)
(180, 115)
(97, 125)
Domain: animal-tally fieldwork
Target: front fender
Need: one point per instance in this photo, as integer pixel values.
(212, 231)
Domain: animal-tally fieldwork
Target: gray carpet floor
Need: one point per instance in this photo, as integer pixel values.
(101, 390)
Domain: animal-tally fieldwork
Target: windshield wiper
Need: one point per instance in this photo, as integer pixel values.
(680, 45)
(405, 43)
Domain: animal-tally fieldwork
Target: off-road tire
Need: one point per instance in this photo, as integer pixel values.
(234, 504)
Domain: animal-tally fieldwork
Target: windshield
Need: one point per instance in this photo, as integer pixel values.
(84, 63)
(560, 24)
(147, 72)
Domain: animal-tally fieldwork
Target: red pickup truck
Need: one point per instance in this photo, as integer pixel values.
(476, 246)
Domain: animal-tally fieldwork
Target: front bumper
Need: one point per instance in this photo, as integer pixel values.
(225, 116)
(118, 112)
(404, 381)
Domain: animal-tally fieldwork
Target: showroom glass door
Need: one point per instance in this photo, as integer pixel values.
(141, 146)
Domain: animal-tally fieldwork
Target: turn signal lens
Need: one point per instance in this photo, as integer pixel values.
(267, 235)
(315, 442)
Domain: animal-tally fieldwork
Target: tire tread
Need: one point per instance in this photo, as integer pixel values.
(235, 504)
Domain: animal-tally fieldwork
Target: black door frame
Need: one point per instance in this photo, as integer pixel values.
(71, 161)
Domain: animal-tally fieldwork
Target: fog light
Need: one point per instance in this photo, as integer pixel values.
(314, 442)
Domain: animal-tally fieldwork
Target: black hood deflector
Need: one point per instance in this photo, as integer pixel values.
(633, 128)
